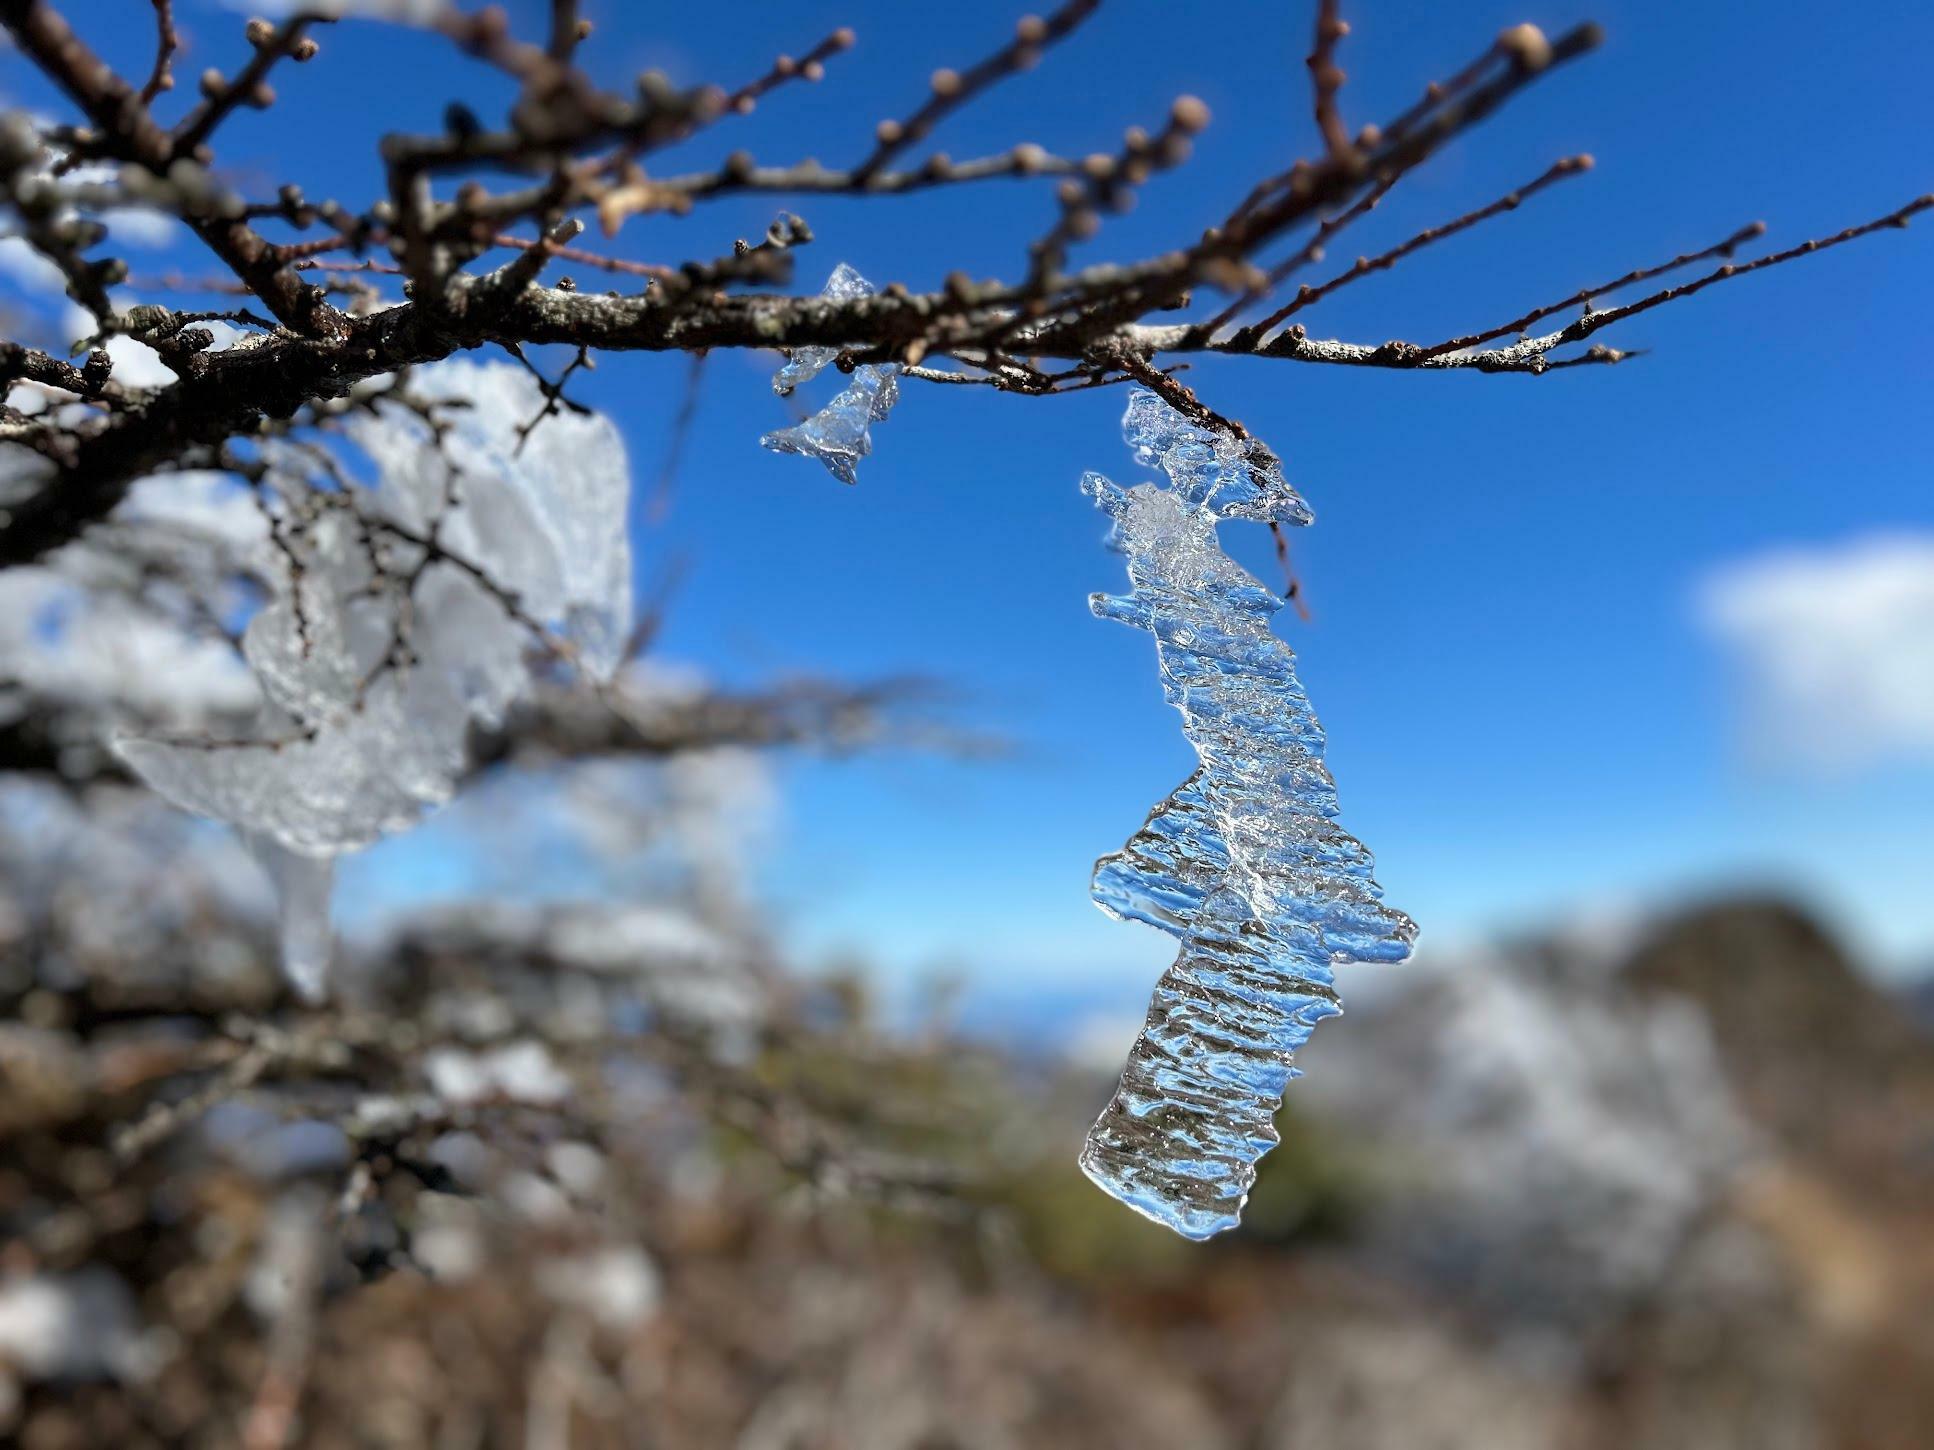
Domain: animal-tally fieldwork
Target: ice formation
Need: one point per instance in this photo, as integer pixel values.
(379, 652)
(840, 434)
(1244, 863)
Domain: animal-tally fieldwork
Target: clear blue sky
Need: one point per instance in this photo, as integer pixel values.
(1524, 714)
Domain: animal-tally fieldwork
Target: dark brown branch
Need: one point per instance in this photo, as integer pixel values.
(953, 89)
(249, 86)
(1591, 322)
(1326, 79)
(129, 133)
(167, 42)
(566, 31)
(574, 725)
(1510, 201)
(1093, 318)
(92, 381)
(1583, 297)
(230, 393)
(809, 67)
(1311, 251)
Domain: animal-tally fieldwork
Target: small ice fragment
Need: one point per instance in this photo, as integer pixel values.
(839, 435)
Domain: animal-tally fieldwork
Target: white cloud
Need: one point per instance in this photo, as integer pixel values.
(136, 365)
(140, 226)
(1835, 647)
(27, 269)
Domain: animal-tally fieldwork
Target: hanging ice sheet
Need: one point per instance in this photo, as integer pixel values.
(1244, 863)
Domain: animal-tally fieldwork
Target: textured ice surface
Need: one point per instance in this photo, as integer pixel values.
(1236, 479)
(376, 663)
(840, 434)
(1243, 863)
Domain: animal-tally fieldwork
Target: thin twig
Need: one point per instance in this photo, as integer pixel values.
(953, 89)
(1510, 201)
(1326, 79)
(167, 42)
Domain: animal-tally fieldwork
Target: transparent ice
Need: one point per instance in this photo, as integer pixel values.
(839, 435)
(1244, 863)
(359, 738)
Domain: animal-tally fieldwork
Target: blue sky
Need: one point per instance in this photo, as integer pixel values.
(1525, 713)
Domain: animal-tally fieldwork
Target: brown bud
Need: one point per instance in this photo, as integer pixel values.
(1029, 157)
(212, 83)
(889, 132)
(946, 83)
(841, 39)
(259, 32)
(1031, 29)
(304, 50)
(1188, 114)
(1525, 44)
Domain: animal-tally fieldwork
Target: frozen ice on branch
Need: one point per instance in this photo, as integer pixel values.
(1244, 864)
(407, 610)
(840, 434)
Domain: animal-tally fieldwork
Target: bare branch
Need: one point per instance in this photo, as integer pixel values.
(167, 42)
(953, 89)
(250, 87)
(1326, 79)
(1510, 201)
(1591, 322)
(129, 133)
(1583, 297)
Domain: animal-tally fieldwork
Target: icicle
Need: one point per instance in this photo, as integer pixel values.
(1243, 863)
(840, 434)
(303, 887)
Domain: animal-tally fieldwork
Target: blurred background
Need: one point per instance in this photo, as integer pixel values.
(727, 1091)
